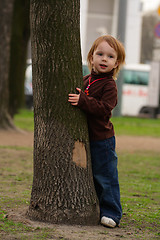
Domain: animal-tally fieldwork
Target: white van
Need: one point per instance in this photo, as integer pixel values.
(135, 89)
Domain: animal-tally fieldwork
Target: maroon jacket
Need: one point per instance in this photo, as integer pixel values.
(98, 104)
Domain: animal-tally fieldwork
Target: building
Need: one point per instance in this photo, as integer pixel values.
(120, 18)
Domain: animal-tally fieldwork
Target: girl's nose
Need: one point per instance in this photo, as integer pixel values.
(104, 58)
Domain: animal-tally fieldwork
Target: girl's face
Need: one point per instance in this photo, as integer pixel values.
(104, 58)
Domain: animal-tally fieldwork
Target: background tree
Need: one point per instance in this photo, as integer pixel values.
(63, 190)
(19, 42)
(6, 10)
(14, 26)
(149, 20)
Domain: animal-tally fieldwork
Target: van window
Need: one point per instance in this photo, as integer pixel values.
(135, 77)
(85, 70)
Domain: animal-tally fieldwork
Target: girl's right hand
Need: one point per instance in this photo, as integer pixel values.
(74, 98)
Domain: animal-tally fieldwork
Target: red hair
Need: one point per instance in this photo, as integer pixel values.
(115, 44)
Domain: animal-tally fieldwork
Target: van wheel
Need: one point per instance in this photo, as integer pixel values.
(150, 112)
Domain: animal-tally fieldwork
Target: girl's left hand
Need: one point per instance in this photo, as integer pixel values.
(74, 98)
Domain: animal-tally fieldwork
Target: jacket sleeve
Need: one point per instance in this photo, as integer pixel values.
(101, 107)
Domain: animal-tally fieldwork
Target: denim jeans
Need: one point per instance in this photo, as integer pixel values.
(105, 175)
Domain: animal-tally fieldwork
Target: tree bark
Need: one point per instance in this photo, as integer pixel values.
(19, 42)
(63, 189)
(6, 10)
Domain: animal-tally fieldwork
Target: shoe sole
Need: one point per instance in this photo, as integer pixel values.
(108, 224)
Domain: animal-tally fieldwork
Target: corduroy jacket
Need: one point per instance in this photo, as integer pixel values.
(98, 104)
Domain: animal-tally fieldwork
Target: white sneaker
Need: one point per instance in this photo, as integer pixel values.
(108, 222)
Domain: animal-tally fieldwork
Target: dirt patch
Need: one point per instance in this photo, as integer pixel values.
(16, 138)
(127, 143)
(77, 232)
(138, 143)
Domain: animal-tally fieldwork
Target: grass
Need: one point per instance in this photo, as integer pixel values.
(136, 126)
(123, 125)
(24, 120)
(139, 180)
(138, 175)
(140, 193)
(21, 231)
(10, 226)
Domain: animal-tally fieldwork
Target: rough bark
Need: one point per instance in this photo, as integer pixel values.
(19, 41)
(63, 189)
(6, 10)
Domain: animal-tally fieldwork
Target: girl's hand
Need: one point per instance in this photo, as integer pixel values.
(74, 98)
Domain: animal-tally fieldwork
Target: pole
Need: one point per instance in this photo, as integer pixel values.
(121, 29)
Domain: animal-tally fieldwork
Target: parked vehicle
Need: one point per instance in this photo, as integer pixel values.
(135, 89)
(28, 91)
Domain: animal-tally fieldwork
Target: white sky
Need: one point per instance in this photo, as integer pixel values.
(150, 4)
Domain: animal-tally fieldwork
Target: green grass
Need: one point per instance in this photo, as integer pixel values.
(140, 193)
(138, 175)
(24, 120)
(10, 226)
(22, 231)
(139, 180)
(123, 125)
(136, 126)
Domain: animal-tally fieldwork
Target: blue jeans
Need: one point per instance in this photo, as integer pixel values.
(105, 175)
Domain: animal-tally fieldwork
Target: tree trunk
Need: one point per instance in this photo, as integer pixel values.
(19, 41)
(63, 189)
(6, 10)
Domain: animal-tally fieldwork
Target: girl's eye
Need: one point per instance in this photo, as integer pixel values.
(99, 54)
(110, 56)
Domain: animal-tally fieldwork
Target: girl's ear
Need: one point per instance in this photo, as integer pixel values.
(91, 59)
(116, 64)
(91, 62)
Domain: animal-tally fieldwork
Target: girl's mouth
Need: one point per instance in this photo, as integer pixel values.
(103, 66)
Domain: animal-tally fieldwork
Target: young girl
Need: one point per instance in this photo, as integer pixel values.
(105, 58)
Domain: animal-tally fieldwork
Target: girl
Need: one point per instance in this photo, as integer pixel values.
(105, 58)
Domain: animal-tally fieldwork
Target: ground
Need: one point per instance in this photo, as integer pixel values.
(12, 138)
(127, 143)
